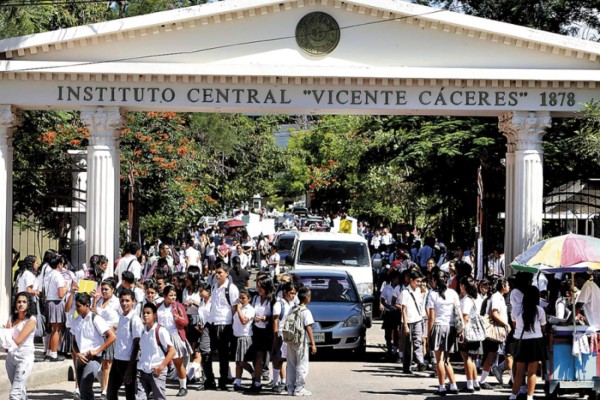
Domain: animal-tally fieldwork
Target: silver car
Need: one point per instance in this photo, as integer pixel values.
(337, 308)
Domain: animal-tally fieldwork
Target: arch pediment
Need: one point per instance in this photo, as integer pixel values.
(382, 43)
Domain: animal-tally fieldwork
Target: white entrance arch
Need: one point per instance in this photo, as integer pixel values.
(295, 57)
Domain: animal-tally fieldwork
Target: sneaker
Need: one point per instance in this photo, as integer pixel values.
(58, 358)
(302, 392)
(279, 388)
(497, 372)
(486, 386)
(182, 392)
(237, 388)
(421, 367)
(265, 376)
(76, 394)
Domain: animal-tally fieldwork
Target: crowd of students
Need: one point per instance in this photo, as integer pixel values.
(139, 331)
(430, 314)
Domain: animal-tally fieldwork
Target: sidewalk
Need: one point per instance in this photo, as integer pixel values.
(44, 373)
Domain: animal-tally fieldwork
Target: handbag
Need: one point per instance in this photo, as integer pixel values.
(40, 321)
(493, 331)
(474, 328)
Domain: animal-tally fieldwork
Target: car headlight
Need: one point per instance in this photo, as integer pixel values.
(355, 320)
(365, 288)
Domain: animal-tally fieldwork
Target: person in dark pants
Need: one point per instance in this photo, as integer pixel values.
(224, 299)
(126, 349)
(412, 303)
(92, 336)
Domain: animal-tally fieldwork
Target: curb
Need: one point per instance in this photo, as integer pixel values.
(43, 374)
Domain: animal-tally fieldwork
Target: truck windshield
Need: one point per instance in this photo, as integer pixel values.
(333, 252)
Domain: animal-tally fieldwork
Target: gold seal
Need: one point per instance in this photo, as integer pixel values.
(317, 33)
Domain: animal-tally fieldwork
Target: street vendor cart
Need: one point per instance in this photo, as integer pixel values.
(569, 371)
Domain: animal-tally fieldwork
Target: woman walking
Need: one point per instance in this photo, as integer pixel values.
(20, 357)
(469, 350)
(530, 349)
(442, 332)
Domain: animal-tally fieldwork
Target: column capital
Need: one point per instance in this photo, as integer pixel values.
(103, 124)
(524, 130)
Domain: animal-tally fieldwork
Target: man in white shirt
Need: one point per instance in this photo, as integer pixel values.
(496, 264)
(123, 369)
(412, 318)
(274, 259)
(192, 256)
(92, 336)
(224, 300)
(129, 262)
(387, 240)
(588, 299)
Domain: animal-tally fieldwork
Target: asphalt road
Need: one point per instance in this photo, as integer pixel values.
(335, 376)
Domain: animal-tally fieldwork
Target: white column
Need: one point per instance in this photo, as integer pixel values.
(524, 178)
(8, 121)
(103, 194)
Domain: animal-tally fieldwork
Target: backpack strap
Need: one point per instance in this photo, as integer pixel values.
(129, 265)
(156, 335)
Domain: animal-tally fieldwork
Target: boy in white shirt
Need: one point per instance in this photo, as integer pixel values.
(297, 355)
(242, 330)
(156, 352)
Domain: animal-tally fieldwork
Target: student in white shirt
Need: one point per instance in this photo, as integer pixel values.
(192, 256)
(156, 352)
(531, 349)
(129, 262)
(20, 355)
(281, 310)
(55, 307)
(27, 276)
(126, 348)
(224, 300)
(273, 262)
(412, 318)
(242, 330)
(92, 336)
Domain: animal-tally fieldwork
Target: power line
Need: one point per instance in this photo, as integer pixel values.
(225, 46)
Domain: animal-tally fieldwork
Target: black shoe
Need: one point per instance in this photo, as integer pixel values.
(422, 368)
(229, 381)
(407, 371)
(210, 386)
(254, 389)
(486, 386)
(477, 388)
(237, 388)
(223, 387)
(182, 392)
(467, 390)
(440, 393)
(280, 388)
(452, 391)
(57, 359)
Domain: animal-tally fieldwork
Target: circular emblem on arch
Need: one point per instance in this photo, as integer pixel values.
(318, 33)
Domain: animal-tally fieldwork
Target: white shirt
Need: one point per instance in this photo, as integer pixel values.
(496, 266)
(240, 329)
(282, 309)
(55, 281)
(590, 297)
(220, 312)
(44, 276)
(123, 266)
(308, 320)
(192, 256)
(467, 304)
(88, 332)
(26, 279)
(27, 345)
(152, 354)
(497, 302)
(130, 327)
(386, 239)
(111, 312)
(387, 293)
(192, 309)
(204, 311)
(376, 242)
(516, 300)
(444, 308)
(262, 309)
(414, 308)
(166, 319)
(537, 326)
(244, 260)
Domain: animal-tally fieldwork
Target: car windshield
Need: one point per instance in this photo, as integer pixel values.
(285, 243)
(333, 252)
(327, 290)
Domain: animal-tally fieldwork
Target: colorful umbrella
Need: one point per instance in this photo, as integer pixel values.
(235, 223)
(567, 253)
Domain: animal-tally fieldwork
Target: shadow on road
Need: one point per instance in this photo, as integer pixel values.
(33, 394)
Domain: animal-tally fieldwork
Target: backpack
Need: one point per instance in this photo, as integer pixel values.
(215, 285)
(293, 327)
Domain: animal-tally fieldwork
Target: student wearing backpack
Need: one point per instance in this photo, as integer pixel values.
(281, 310)
(156, 352)
(92, 336)
(224, 300)
(126, 348)
(299, 322)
